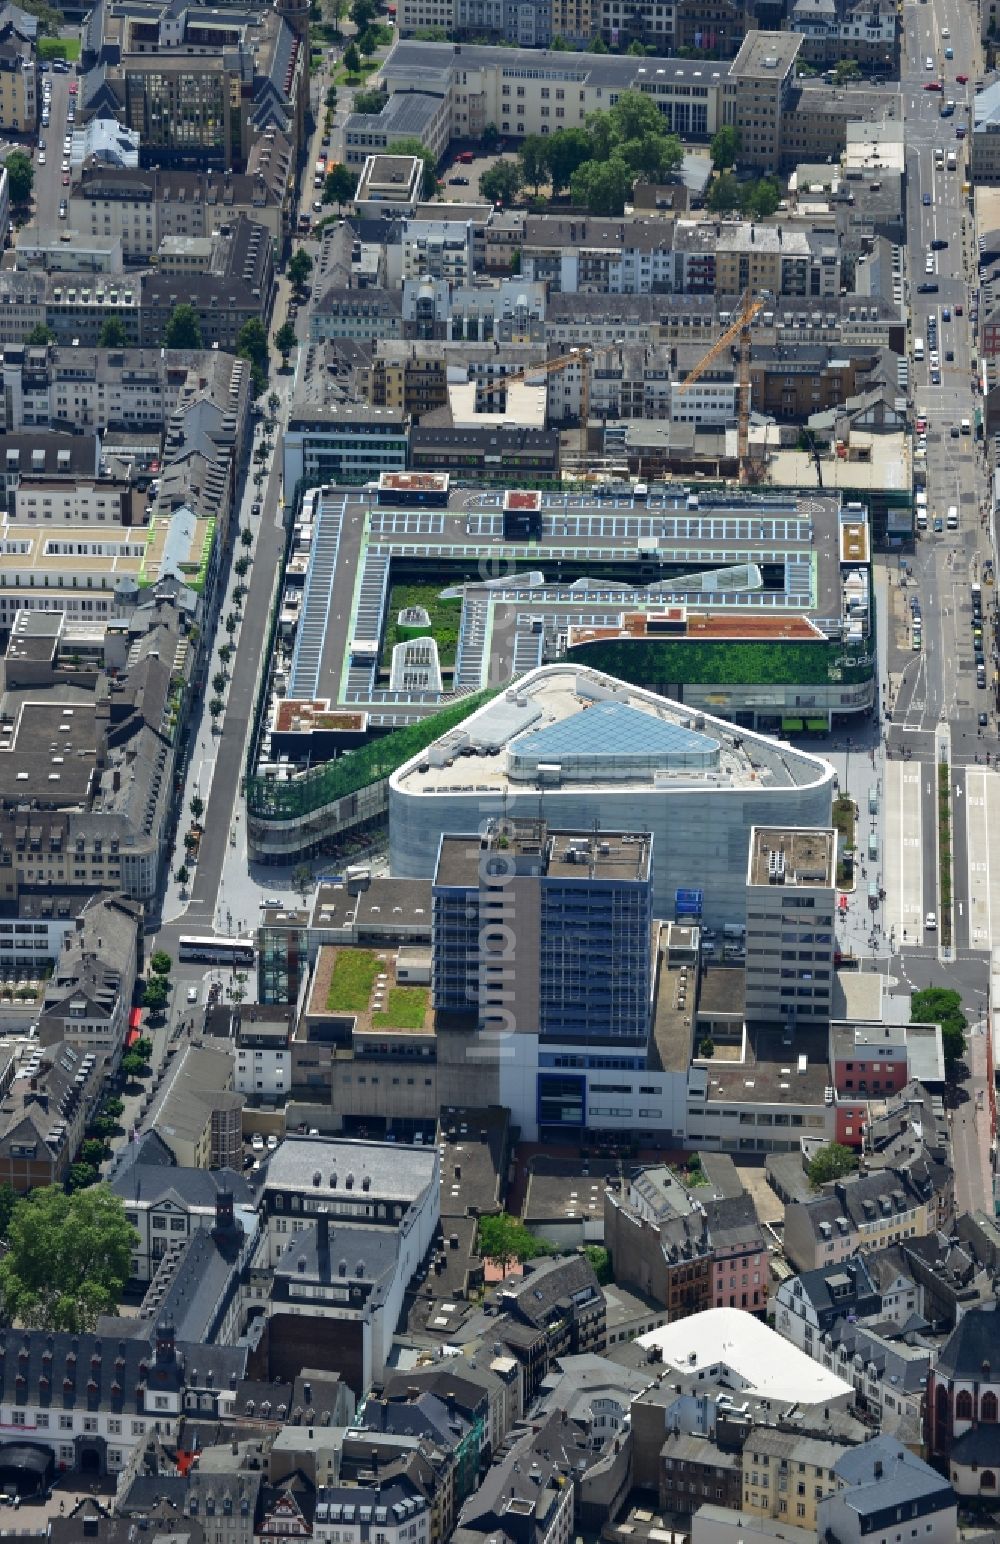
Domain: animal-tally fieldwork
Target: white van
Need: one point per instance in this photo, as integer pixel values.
(922, 518)
(918, 348)
(921, 498)
(952, 518)
(952, 162)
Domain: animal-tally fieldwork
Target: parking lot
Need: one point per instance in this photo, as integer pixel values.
(468, 189)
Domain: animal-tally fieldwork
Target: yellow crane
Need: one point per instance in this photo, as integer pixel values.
(748, 309)
(584, 356)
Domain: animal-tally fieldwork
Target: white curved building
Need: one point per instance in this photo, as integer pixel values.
(576, 747)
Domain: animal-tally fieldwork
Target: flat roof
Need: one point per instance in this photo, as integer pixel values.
(481, 754)
(772, 1070)
(548, 852)
(793, 857)
(764, 567)
(748, 1355)
(361, 984)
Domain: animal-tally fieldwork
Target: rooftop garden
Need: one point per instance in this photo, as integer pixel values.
(405, 1008)
(445, 620)
(351, 981)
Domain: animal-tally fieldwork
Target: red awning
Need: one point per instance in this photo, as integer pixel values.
(135, 1019)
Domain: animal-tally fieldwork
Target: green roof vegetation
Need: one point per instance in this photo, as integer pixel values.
(661, 663)
(267, 799)
(445, 615)
(405, 1008)
(354, 973)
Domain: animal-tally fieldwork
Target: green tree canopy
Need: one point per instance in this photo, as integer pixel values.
(112, 334)
(352, 59)
(602, 186)
(566, 150)
(533, 156)
(938, 1005)
(503, 1239)
(8, 1201)
(369, 102)
(161, 964)
(300, 266)
(725, 147)
(831, 1162)
(285, 339)
(40, 334)
(761, 199)
(155, 996)
(501, 183)
(724, 195)
(410, 145)
(68, 1258)
(251, 344)
(847, 69)
(21, 176)
(600, 1263)
(183, 329)
(340, 186)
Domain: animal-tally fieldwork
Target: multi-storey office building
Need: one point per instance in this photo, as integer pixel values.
(583, 956)
(791, 900)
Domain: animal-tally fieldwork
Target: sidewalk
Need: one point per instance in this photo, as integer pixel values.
(204, 741)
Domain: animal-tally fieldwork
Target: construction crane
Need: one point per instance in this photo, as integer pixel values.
(584, 357)
(748, 309)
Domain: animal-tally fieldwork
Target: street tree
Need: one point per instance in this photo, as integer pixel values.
(112, 334)
(284, 341)
(183, 329)
(340, 186)
(197, 806)
(501, 183)
(182, 875)
(219, 682)
(300, 266)
(251, 344)
(302, 879)
(133, 1067)
(81, 1176)
(68, 1258)
(155, 995)
(352, 59)
(368, 42)
(241, 568)
(215, 708)
(226, 650)
(93, 1151)
(161, 964)
(246, 536)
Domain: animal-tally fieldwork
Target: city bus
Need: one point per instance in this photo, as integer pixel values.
(217, 951)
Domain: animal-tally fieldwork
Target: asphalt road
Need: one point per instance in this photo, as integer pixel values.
(48, 187)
